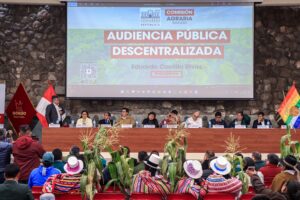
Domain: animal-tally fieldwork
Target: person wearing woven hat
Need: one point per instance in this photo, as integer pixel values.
(187, 184)
(217, 181)
(290, 172)
(39, 175)
(147, 181)
(66, 182)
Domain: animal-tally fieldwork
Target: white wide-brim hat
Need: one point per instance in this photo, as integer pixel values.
(73, 165)
(193, 168)
(220, 165)
(153, 161)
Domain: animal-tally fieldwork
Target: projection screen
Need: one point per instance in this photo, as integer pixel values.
(155, 51)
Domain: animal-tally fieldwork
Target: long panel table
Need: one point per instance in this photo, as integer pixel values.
(199, 140)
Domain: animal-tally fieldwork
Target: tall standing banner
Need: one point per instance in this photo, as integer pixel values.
(2, 103)
(20, 109)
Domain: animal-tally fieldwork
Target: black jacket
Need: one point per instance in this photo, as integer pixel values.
(103, 121)
(11, 190)
(150, 122)
(51, 114)
(256, 123)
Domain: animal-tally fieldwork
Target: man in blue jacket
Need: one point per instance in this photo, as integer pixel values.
(39, 175)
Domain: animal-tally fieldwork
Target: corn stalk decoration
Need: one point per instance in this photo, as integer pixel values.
(121, 171)
(288, 146)
(175, 155)
(231, 148)
(92, 144)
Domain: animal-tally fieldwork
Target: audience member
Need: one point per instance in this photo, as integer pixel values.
(290, 190)
(249, 164)
(84, 120)
(195, 121)
(240, 119)
(271, 169)
(207, 156)
(209, 171)
(58, 162)
(11, 189)
(187, 184)
(261, 121)
(52, 112)
(218, 120)
(146, 181)
(106, 119)
(125, 118)
(217, 182)
(128, 154)
(256, 156)
(289, 173)
(151, 120)
(39, 175)
(27, 153)
(66, 182)
(142, 156)
(5, 153)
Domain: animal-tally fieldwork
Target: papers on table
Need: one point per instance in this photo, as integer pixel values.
(126, 125)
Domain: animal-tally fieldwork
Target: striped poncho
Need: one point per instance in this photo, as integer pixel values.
(62, 183)
(188, 185)
(217, 183)
(144, 183)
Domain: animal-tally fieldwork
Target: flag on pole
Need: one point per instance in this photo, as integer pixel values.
(289, 108)
(20, 109)
(44, 102)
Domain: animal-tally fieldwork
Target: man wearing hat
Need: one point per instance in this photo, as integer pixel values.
(146, 181)
(39, 175)
(290, 172)
(217, 181)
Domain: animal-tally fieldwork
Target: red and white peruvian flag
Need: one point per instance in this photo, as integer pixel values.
(44, 102)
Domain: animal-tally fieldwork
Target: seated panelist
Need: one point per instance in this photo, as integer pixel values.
(84, 120)
(151, 120)
(218, 120)
(261, 121)
(106, 119)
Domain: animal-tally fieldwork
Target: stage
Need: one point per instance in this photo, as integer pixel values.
(199, 140)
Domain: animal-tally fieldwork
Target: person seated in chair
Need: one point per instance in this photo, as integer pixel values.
(241, 119)
(151, 120)
(261, 121)
(106, 119)
(84, 120)
(218, 120)
(194, 121)
(126, 118)
(11, 189)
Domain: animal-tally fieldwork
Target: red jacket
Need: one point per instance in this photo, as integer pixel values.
(27, 154)
(270, 171)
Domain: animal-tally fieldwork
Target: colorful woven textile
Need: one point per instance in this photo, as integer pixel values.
(188, 185)
(144, 183)
(216, 183)
(62, 183)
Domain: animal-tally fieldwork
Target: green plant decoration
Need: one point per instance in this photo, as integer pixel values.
(288, 146)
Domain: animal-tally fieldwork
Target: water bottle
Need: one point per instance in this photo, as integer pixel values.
(137, 124)
(94, 123)
(209, 124)
(268, 124)
(72, 123)
(57, 121)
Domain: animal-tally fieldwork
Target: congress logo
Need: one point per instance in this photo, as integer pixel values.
(179, 16)
(150, 17)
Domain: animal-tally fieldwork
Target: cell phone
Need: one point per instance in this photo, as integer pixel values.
(251, 168)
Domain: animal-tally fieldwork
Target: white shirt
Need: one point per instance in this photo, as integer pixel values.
(190, 122)
(58, 113)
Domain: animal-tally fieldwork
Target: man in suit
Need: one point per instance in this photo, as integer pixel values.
(106, 119)
(11, 189)
(52, 111)
(261, 121)
(218, 120)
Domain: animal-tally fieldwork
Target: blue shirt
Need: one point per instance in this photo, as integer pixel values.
(39, 175)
